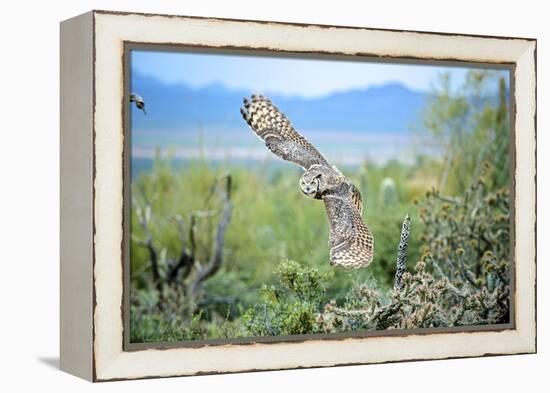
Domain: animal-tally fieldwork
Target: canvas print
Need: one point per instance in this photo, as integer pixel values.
(280, 196)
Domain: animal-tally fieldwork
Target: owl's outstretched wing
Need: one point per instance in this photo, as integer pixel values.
(357, 199)
(351, 242)
(277, 132)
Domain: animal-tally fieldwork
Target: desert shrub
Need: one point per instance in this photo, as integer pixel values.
(149, 324)
(175, 214)
(466, 125)
(292, 306)
(462, 242)
(468, 242)
(463, 277)
(168, 296)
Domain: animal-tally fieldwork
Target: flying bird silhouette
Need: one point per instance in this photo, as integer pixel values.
(138, 100)
(351, 242)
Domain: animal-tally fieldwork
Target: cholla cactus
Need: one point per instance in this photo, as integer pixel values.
(462, 279)
(468, 243)
(402, 253)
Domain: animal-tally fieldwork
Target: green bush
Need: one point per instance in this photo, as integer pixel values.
(149, 324)
(292, 306)
(463, 277)
(461, 241)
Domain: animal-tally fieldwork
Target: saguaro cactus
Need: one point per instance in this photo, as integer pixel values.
(387, 194)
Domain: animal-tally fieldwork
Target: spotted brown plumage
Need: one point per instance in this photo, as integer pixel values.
(350, 241)
(277, 132)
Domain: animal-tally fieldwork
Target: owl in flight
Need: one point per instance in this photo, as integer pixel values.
(350, 241)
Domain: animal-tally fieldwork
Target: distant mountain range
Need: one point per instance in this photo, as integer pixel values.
(389, 108)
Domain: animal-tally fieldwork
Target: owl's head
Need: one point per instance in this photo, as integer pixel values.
(310, 184)
(320, 179)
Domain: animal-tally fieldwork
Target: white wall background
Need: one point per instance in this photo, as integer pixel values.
(29, 182)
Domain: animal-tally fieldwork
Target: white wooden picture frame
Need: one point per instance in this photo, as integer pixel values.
(92, 194)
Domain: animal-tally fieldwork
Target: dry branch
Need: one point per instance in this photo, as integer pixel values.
(216, 259)
(186, 273)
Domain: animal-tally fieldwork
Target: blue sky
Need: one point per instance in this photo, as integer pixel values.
(286, 76)
(377, 121)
